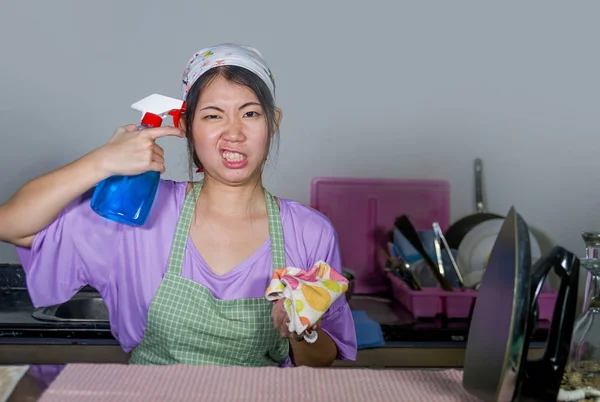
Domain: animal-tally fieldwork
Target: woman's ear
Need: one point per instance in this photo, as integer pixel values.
(182, 122)
(278, 118)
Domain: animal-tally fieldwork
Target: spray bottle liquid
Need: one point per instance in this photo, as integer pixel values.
(129, 199)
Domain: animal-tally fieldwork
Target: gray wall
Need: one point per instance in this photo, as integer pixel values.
(410, 90)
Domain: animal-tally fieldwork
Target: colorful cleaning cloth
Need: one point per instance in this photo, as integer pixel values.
(307, 294)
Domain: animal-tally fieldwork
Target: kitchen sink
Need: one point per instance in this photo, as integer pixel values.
(81, 308)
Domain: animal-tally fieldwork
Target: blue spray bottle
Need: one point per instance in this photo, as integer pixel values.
(129, 199)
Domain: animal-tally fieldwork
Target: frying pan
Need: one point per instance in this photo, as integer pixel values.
(460, 228)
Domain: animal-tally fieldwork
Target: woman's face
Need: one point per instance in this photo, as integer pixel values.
(230, 132)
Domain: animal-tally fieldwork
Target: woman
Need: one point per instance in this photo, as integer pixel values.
(203, 303)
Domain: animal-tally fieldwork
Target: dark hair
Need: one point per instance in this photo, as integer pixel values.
(237, 75)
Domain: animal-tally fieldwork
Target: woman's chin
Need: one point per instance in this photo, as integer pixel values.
(236, 177)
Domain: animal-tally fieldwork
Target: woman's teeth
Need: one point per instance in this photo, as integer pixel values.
(233, 156)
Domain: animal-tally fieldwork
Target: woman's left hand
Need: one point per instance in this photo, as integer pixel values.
(281, 320)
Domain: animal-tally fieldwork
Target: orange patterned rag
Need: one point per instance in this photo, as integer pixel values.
(308, 294)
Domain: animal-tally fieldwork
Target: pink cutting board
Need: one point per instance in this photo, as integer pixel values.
(363, 211)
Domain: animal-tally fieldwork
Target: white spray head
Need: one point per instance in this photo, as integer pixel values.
(161, 106)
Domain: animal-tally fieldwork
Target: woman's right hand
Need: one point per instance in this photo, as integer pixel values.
(131, 151)
(35, 205)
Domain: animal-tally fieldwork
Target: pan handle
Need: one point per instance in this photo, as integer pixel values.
(479, 205)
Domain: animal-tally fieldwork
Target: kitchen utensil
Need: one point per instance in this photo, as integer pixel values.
(457, 231)
(476, 247)
(439, 237)
(396, 256)
(438, 254)
(360, 208)
(405, 226)
(505, 315)
(408, 252)
(400, 268)
(414, 260)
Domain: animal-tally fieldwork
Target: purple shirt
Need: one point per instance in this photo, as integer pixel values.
(126, 264)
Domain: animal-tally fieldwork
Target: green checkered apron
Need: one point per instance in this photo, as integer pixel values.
(186, 325)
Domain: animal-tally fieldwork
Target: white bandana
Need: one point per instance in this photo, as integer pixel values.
(227, 54)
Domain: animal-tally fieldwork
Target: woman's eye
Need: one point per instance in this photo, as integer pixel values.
(211, 117)
(251, 114)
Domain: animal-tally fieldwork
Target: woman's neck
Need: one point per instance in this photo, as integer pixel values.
(242, 202)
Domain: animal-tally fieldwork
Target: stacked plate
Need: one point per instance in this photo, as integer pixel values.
(475, 248)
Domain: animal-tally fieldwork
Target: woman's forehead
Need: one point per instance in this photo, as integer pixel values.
(222, 90)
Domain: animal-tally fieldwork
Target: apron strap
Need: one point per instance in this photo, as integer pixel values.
(183, 229)
(276, 232)
(185, 221)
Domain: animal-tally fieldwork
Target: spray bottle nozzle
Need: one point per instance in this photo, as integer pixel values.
(151, 120)
(176, 114)
(160, 106)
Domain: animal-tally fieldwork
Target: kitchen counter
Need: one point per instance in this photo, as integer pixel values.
(27, 340)
(410, 344)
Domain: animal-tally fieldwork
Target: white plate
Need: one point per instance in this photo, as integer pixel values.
(475, 248)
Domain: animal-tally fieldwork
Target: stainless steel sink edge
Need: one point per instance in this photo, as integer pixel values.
(83, 307)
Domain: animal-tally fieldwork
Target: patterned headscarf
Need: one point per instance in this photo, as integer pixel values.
(227, 54)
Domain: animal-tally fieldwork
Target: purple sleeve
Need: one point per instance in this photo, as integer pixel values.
(45, 373)
(337, 321)
(78, 248)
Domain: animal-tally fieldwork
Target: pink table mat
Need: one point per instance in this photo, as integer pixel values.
(108, 382)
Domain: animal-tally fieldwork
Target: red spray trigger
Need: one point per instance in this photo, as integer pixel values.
(151, 120)
(176, 113)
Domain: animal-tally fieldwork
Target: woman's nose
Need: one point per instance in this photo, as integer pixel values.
(235, 130)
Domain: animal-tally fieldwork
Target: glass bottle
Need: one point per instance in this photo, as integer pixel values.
(584, 358)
